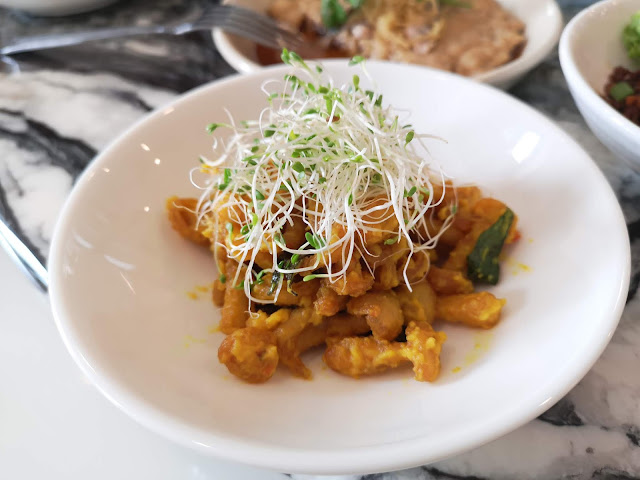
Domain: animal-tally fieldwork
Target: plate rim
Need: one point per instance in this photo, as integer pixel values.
(371, 459)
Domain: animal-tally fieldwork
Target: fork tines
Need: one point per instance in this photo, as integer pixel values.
(253, 25)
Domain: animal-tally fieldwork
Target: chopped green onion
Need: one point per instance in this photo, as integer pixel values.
(620, 91)
(223, 278)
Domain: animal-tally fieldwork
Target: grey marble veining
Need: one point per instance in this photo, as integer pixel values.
(60, 107)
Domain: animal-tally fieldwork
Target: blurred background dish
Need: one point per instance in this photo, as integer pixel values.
(542, 26)
(591, 47)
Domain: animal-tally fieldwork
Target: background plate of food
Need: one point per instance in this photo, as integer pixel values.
(132, 298)
(493, 41)
(600, 58)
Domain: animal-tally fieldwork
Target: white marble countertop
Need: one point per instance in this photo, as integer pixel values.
(58, 108)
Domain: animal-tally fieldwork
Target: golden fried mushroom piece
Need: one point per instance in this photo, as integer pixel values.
(346, 325)
(357, 356)
(268, 322)
(386, 276)
(417, 268)
(490, 210)
(390, 263)
(336, 327)
(217, 293)
(386, 260)
(457, 259)
(382, 311)
(418, 305)
(286, 336)
(250, 354)
(236, 304)
(423, 350)
(328, 302)
(357, 281)
(294, 234)
(481, 310)
(183, 219)
(304, 292)
(448, 282)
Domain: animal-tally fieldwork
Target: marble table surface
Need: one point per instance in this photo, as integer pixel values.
(58, 108)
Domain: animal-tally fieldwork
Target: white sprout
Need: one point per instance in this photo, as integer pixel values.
(331, 157)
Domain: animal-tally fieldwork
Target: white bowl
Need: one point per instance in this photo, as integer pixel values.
(543, 20)
(55, 7)
(119, 276)
(590, 48)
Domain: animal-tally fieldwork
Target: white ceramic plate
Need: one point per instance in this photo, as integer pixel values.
(119, 277)
(543, 20)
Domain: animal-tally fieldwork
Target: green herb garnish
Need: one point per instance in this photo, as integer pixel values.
(620, 91)
(482, 262)
(631, 37)
(333, 14)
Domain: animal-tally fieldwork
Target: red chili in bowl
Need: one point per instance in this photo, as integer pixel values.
(622, 91)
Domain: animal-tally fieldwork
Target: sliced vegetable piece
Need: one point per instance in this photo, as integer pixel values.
(482, 262)
(620, 91)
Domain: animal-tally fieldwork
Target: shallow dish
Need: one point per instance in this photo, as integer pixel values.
(120, 277)
(590, 48)
(543, 20)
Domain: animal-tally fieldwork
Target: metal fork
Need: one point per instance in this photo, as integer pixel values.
(239, 21)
